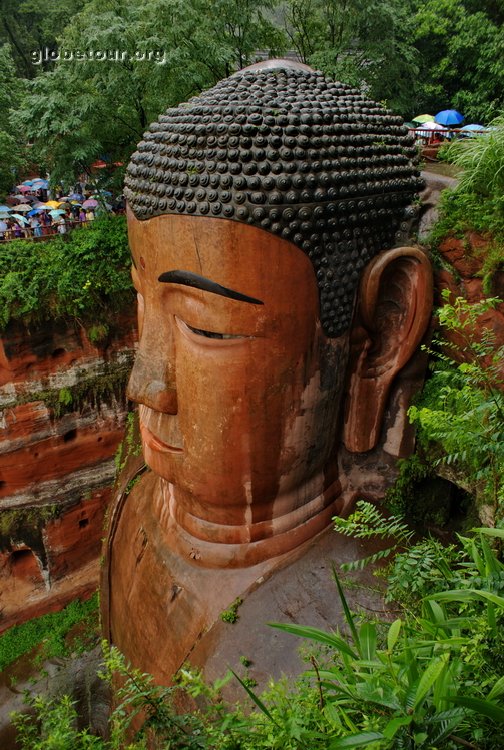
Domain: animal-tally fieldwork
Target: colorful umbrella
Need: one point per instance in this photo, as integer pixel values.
(56, 212)
(449, 117)
(423, 118)
(53, 204)
(23, 207)
(5, 208)
(20, 218)
(4, 215)
(34, 211)
(90, 203)
(473, 127)
(427, 126)
(24, 188)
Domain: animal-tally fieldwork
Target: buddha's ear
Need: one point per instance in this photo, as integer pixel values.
(394, 309)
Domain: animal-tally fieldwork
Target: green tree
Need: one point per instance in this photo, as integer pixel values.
(461, 49)
(163, 52)
(30, 25)
(363, 43)
(12, 153)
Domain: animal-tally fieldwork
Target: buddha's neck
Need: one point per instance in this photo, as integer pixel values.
(248, 537)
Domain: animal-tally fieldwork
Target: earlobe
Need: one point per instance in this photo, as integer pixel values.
(394, 310)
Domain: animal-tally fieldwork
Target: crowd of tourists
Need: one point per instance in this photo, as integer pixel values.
(31, 211)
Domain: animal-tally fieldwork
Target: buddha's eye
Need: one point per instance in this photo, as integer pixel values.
(207, 334)
(204, 334)
(212, 334)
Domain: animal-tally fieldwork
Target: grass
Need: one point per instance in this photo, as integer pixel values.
(51, 630)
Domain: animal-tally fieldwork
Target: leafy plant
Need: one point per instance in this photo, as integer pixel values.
(231, 613)
(50, 629)
(83, 275)
(462, 406)
(55, 728)
(414, 691)
(368, 522)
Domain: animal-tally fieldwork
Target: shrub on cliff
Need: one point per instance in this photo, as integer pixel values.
(477, 203)
(82, 275)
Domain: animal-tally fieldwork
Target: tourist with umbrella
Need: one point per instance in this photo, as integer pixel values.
(449, 118)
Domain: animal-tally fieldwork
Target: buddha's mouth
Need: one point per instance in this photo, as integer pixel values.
(154, 443)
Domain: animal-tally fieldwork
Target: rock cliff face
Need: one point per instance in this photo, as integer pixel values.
(463, 276)
(62, 414)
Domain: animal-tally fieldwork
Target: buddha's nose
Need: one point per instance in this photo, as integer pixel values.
(152, 380)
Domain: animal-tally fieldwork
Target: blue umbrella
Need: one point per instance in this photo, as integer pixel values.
(449, 117)
(19, 218)
(35, 211)
(473, 127)
(6, 208)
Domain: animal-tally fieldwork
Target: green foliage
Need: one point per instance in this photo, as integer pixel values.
(401, 497)
(481, 160)
(366, 44)
(231, 613)
(80, 109)
(423, 569)
(131, 445)
(19, 520)
(12, 156)
(55, 728)
(405, 685)
(50, 629)
(460, 57)
(414, 691)
(462, 406)
(93, 390)
(83, 275)
(477, 203)
(368, 522)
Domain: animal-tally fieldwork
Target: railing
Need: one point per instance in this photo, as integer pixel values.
(46, 232)
(430, 137)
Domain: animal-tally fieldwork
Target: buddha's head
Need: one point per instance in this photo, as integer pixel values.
(265, 220)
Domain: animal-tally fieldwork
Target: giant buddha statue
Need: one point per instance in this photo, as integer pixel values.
(277, 303)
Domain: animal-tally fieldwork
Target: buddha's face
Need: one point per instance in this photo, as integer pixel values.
(238, 387)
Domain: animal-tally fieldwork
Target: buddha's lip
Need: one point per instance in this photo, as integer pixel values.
(155, 443)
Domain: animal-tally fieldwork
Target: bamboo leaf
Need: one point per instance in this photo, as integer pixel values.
(498, 689)
(256, 700)
(356, 740)
(367, 640)
(314, 634)
(429, 677)
(395, 724)
(346, 609)
(485, 707)
(393, 634)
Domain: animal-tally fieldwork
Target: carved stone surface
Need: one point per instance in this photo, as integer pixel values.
(289, 151)
(247, 382)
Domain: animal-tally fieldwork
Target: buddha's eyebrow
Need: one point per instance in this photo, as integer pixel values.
(186, 278)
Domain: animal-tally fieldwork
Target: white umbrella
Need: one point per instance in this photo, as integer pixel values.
(430, 126)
